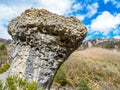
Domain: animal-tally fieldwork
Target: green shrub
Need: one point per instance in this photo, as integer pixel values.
(2, 47)
(83, 85)
(1, 86)
(21, 82)
(17, 83)
(4, 68)
(61, 77)
(32, 86)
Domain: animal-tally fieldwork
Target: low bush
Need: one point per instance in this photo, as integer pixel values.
(2, 47)
(4, 68)
(60, 77)
(83, 85)
(17, 83)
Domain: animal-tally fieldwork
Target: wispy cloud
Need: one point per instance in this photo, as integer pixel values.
(77, 6)
(117, 3)
(92, 9)
(81, 17)
(114, 2)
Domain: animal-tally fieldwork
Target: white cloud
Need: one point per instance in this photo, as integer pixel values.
(60, 7)
(105, 22)
(92, 9)
(117, 37)
(12, 10)
(6, 12)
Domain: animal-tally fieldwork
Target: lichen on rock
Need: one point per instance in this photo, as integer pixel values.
(42, 41)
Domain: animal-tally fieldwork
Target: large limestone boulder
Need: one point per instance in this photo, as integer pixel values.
(42, 41)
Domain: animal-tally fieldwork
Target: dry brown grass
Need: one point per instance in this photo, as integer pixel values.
(99, 66)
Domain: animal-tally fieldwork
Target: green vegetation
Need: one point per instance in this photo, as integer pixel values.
(110, 45)
(60, 78)
(4, 68)
(3, 58)
(1, 86)
(3, 50)
(83, 85)
(17, 83)
(2, 47)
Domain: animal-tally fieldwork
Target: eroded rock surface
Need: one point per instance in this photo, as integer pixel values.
(42, 41)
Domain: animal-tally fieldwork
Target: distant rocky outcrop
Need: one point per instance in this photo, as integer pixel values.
(103, 43)
(5, 41)
(42, 41)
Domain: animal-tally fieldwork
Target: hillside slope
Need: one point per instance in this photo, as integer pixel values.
(101, 67)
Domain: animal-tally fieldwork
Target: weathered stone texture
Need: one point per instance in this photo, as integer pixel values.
(42, 41)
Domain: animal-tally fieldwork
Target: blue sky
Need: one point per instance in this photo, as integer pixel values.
(101, 17)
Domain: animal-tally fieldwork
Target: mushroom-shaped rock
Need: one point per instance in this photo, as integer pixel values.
(42, 41)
